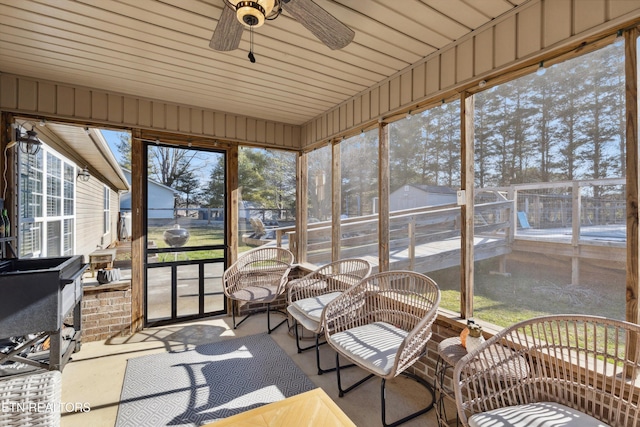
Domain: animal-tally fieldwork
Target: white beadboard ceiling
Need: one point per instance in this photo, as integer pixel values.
(159, 49)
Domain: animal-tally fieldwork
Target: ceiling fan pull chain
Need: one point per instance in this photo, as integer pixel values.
(251, 57)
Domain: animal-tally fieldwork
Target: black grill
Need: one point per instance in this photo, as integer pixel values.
(37, 295)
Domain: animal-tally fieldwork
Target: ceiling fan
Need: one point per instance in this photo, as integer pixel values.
(237, 15)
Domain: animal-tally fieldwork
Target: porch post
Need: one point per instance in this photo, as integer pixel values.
(232, 214)
(336, 198)
(383, 194)
(9, 189)
(467, 209)
(301, 207)
(138, 197)
(633, 185)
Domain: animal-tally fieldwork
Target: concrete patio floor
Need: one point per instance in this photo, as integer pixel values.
(95, 375)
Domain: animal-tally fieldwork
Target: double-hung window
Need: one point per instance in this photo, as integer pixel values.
(47, 204)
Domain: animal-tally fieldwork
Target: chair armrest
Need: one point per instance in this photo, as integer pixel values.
(413, 345)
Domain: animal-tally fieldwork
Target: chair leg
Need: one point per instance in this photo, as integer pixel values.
(269, 329)
(317, 347)
(300, 349)
(269, 310)
(341, 391)
(234, 305)
(320, 370)
(410, 416)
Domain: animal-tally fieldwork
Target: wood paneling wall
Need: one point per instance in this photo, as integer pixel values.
(25, 95)
(536, 30)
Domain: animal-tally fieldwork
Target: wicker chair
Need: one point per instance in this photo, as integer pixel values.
(31, 399)
(383, 325)
(580, 371)
(258, 276)
(309, 295)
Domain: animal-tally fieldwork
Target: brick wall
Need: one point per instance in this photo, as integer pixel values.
(106, 311)
(426, 366)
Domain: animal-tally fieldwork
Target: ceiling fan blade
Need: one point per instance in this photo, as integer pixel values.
(321, 23)
(228, 32)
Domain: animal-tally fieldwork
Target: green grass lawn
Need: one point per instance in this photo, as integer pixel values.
(198, 236)
(504, 300)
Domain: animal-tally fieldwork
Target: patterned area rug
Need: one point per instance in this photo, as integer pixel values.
(209, 382)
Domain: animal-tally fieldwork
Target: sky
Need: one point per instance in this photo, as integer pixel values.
(113, 138)
(200, 164)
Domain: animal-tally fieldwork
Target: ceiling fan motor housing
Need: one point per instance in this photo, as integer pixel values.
(253, 13)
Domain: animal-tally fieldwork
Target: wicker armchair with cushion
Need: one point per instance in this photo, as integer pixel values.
(31, 399)
(382, 325)
(580, 371)
(309, 295)
(258, 276)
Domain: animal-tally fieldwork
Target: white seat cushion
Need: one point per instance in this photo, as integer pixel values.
(302, 319)
(373, 346)
(540, 414)
(308, 311)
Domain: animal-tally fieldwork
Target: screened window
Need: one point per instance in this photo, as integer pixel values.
(359, 193)
(319, 206)
(267, 180)
(552, 145)
(424, 164)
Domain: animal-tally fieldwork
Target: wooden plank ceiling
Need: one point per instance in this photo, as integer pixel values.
(159, 49)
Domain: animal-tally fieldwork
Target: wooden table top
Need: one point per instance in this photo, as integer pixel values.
(313, 408)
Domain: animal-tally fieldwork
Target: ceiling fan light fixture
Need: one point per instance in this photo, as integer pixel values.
(238, 15)
(253, 13)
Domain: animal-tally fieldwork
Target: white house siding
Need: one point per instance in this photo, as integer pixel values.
(408, 197)
(89, 210)
(161, 199)
(161, 202)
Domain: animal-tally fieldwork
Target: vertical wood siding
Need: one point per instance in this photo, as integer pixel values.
(538, 27)
(26, 95)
